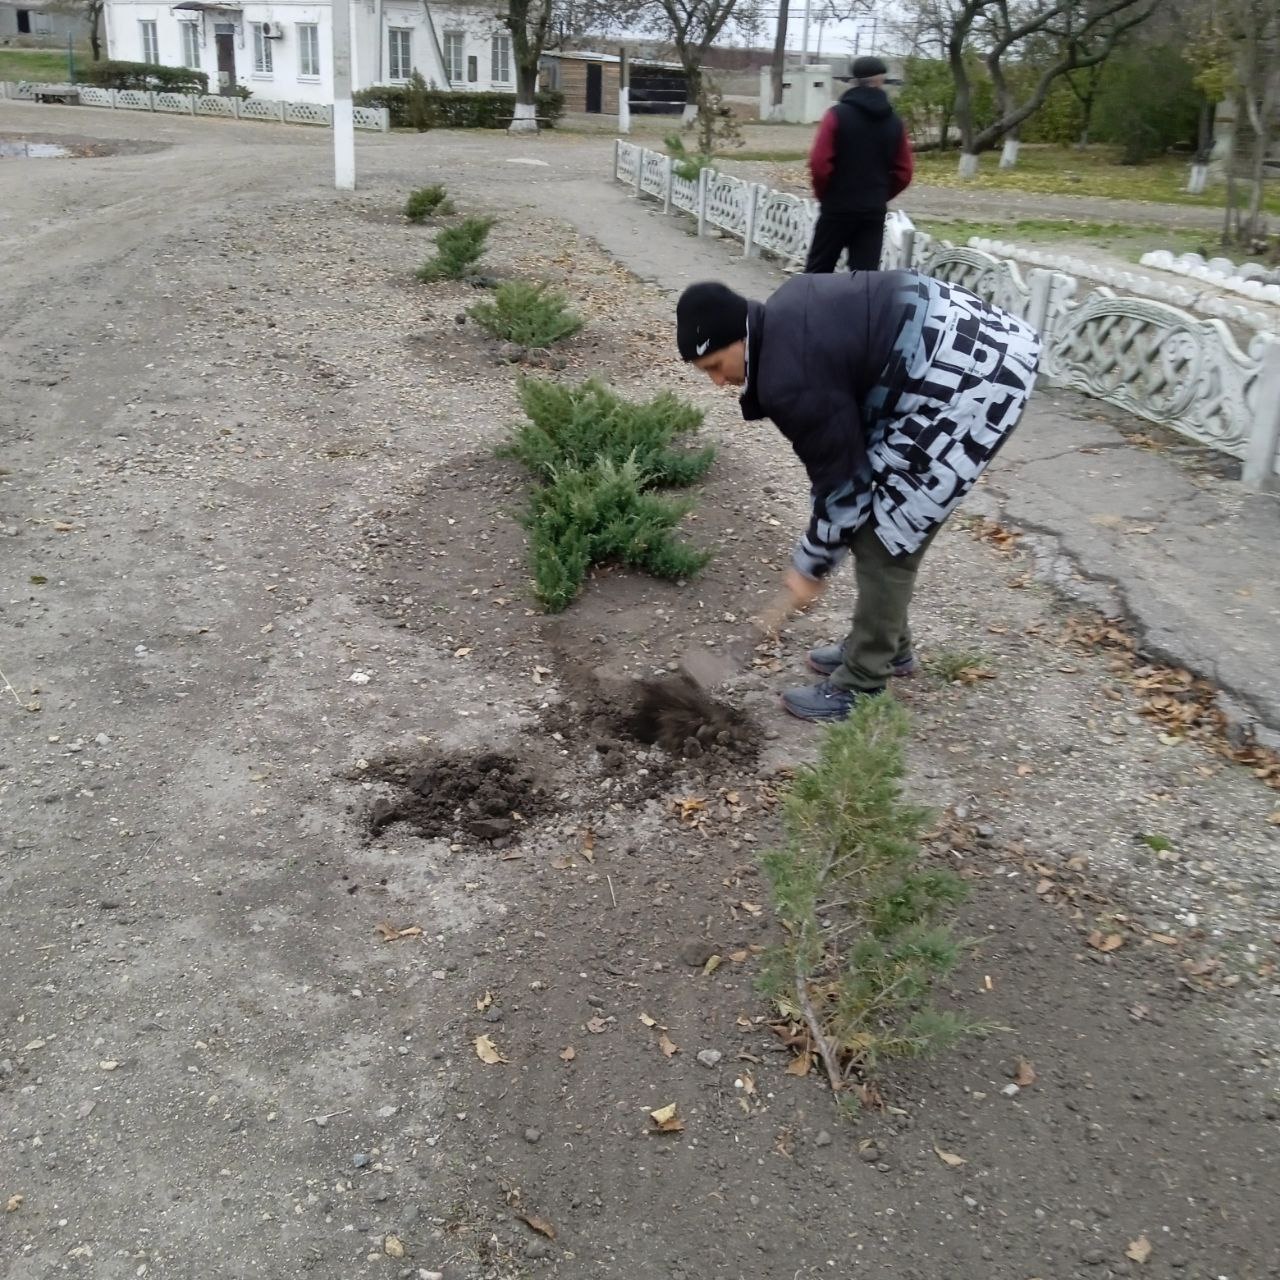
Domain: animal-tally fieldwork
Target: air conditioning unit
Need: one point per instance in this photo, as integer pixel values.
(273, 30)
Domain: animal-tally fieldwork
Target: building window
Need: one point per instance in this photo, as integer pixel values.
(308, 49)
(473, 69)
(261, 51)
(190, 44)
(453, 45)
(500, 71)
(400, 60)
(150, 42)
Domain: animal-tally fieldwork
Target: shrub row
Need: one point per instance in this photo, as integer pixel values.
(447, 110)
(112, 74)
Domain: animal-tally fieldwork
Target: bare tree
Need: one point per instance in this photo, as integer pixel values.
(777, 66)
(1244, 37)
(530, 24)
(692, 26)
(1051, 38)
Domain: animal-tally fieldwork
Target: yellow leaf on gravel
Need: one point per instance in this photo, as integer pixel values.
(1139, 1250)
(648, 1021)
(14, 1203)
(393, 1247)
(487, 1051)
(711, 966)
(949, 1158)
(800, 1066)
(666, 1120)
(1024, 1075)
(568, 1053)
(462, 653)
(484, 1002)
(667, 1045)
(1106, 942)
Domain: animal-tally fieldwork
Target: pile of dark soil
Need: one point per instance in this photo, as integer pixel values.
(485, 795)
(677, 714)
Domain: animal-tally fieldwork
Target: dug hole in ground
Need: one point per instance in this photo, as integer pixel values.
(270, 1011)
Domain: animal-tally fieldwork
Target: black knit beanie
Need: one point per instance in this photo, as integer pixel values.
(709, 316)
(867, 68)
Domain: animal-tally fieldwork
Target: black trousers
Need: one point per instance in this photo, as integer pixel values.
(861, 233)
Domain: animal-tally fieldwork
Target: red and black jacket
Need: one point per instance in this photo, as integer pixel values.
(861, 156)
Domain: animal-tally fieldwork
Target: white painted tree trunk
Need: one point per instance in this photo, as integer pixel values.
(1198, 180)
(524, 119)
(1009, 153)
(968, 164)
(690, 114)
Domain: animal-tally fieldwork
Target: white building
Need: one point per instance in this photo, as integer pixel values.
(283, 48)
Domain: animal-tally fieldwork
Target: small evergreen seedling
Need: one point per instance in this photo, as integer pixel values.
(458, 249)
(863, 946)
(573, 426)
(531, 315)
(427, 202)
(600, 514)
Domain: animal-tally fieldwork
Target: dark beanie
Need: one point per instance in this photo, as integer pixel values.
(709, 316)
(866, 67)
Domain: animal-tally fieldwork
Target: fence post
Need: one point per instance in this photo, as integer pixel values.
(704, 181)
(1039, 283)
(908, 249)
(640, 155)
(668, 175)
(749, 230)
(1263, 445)
(113, 93)
(617, 157)
(235, 105)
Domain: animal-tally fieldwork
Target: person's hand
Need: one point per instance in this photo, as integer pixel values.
(797, 594)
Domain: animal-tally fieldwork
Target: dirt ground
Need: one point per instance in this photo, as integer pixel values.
(267, 628)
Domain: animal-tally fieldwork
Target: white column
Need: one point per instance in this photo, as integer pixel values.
(344, 132)
(1263, 445)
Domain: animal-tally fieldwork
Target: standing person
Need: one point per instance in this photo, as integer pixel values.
(860, 159)
(895, 391)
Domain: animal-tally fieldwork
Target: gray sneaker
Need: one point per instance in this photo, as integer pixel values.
(825, 660)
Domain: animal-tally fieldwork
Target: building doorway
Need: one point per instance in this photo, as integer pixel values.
(595, 87)
(224, 37)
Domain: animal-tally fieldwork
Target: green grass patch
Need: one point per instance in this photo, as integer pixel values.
(959, 666)
(458, 249)
(1095, 171)
(427, 202)
(532, 315)
(1128, 240)
(864, 943)
(597, 459)
(47, 65)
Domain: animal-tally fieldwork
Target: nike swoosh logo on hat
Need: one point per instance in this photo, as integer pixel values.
(702, 347)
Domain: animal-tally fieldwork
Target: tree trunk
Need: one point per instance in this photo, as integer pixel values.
(524, 118)
(1009, 151)
(968, 163)
(692, 93)
(95, 31)
(779, 60)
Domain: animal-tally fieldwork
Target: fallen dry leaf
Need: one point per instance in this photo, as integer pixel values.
(1165, 939)
(540, 1225)
(14, 1203)
(1024, 1075)
(949, 1158)
(800, 1066)
(753, 907)
(1139, 1250)
(390, 933)
(487, 1051)
(747, 1084)
(1105, 942)
(61, 526)
(393, 1247)
(1025, 770)
(713, 963)
(484, 1002)
(667, 1045)
(648, 1021)
(738, 956)
(568, 1053)
(597, 1026)
(665, 1119)
(562, 863)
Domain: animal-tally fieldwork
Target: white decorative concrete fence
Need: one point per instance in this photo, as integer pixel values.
(373, 118)
(1146, 356)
